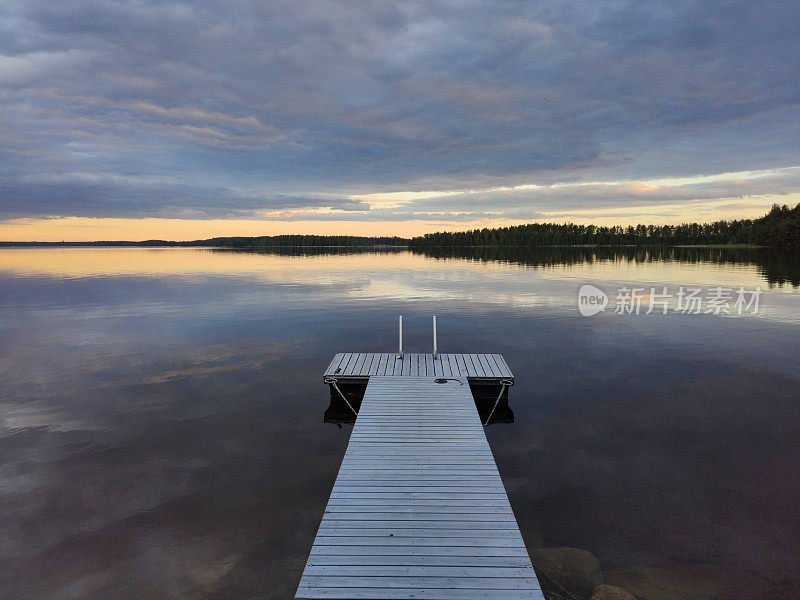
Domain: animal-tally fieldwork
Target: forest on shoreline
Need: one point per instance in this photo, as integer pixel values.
(779, 228)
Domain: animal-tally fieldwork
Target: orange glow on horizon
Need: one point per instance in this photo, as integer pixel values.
(77, 229)
(90, 229)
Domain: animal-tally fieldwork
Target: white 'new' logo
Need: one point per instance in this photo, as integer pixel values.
(591, 300)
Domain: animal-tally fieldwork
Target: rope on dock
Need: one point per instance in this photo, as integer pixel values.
(446, 379)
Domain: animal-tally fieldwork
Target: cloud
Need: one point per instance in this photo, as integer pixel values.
(35, 67)
(333, 100)
(91, 197)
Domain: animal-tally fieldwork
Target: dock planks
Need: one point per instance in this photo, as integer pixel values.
(418, 509)
(362, 365)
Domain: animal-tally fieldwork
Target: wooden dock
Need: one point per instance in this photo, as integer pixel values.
(418, 509)
(484, 368)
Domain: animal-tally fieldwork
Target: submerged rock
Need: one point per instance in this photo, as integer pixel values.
(610, 592)
(568, 571)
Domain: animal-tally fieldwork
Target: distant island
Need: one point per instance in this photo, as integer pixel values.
(779, 228)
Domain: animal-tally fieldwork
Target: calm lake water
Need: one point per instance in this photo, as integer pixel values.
(162, 434)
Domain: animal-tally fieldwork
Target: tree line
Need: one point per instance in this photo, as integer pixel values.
(779, 228)
(304, 241)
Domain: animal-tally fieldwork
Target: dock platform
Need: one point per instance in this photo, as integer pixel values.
(482, 368)
(418, 509)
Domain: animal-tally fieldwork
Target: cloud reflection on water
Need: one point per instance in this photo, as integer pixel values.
(162, 434)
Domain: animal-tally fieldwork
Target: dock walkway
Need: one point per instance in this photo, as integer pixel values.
(418, 509)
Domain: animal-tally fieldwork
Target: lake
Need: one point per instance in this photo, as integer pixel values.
(162, 431)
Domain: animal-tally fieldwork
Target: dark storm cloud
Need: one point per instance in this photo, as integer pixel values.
(301, 101)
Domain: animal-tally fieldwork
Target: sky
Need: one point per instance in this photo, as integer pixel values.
(172, 120)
